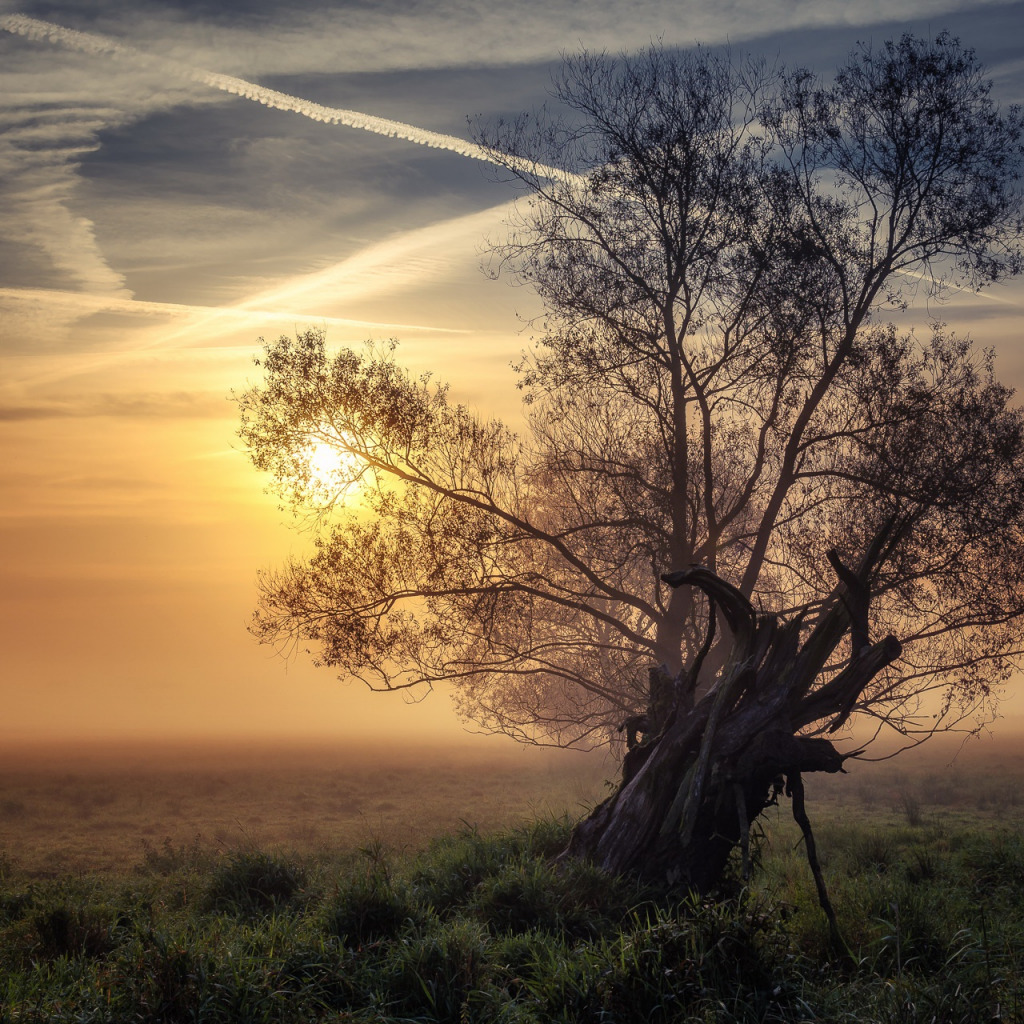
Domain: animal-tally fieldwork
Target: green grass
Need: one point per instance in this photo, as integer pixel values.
(304, 886)
(488, 928)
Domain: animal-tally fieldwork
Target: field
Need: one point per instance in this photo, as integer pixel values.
(355, 884)
(100, 809)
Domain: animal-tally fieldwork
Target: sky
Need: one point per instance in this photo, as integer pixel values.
(179, 180)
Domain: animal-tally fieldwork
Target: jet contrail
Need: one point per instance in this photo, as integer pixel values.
(87, 42)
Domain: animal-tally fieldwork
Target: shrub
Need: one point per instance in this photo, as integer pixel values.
(574, 899)
(911, 807)
(369, 909)
(436, 973)
(521, 897)
(254, 884)
(996, 861)
(168, 982)
(318, 973)
(13, 810)
(869, 851)
(14, 905)
(64, 929)
(447, 875)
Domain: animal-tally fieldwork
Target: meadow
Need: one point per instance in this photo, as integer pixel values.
(101, 808)
(348, 883)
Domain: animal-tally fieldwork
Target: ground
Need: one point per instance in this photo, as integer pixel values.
(349, 884)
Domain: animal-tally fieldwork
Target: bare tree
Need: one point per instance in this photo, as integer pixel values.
(746, 507)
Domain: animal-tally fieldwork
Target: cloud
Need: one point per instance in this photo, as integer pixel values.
(422, 257)
(96, 45)
(156, 405)
(393, 267)
(58, 322)
(1008, 74)
(245, 314)
(52, 114)
(408, 259)
(389, 35)
(39, 154)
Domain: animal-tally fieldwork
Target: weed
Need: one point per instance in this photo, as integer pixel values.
(997, 861)
(433, 974)
(911, 807)
(922, 865)
(8, 866)
(869, 851)
(13, 809)
(169, 857)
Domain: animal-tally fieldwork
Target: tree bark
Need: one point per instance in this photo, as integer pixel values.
(703, 773)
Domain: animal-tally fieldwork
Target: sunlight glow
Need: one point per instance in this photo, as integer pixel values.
(333, 468)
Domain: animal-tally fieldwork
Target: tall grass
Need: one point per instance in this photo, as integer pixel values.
(489, 929)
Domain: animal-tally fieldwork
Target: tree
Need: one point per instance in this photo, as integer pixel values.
(745, 508)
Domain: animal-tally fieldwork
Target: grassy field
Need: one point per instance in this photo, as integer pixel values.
(100, 809)
(324, 884)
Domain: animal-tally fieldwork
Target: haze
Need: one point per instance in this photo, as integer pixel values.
(171, 190)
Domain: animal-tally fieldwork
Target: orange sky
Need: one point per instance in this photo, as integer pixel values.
(152, 232)
(132, 531)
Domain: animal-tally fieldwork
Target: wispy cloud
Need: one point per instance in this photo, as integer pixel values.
(40, 150)
(394, 35)
(45, 139)
(397, 264)
(244, 314)
(90, 43)
(57, 315)
(52, 116)
(391, 266)
(159, 405)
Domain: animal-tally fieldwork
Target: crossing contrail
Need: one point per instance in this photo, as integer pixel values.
(87, 42)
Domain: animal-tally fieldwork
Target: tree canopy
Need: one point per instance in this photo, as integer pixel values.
(719, 246)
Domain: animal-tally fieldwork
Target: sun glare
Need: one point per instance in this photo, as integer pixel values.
(331, 467)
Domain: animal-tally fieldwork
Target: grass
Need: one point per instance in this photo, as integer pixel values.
(488, 928)
(479, 924)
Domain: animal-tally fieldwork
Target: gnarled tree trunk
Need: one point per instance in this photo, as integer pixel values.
(703, 773)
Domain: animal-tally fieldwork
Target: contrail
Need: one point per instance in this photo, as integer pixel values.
(90, 303)
(87, 42)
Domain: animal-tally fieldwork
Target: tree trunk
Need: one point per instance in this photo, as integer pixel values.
(703, 773)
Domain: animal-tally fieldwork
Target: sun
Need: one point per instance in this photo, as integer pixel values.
(331, 465)
(325, 461)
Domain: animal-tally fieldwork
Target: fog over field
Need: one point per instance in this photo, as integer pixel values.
(105, 808)
(112, 807)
